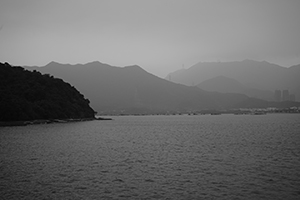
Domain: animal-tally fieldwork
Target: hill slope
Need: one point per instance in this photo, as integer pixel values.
(132, 90)
(252, 74)
(26, 95)
(228, 85)
(128, 90)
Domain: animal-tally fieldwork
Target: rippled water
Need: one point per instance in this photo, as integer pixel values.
(154, 157)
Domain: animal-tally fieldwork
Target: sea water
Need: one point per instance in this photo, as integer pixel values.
(154, 157)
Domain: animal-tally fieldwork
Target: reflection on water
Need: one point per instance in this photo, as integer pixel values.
(154, 157)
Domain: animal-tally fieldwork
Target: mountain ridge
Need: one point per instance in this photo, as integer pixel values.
(253, 74)
(131, 89)
(224, 84)
(128, 83)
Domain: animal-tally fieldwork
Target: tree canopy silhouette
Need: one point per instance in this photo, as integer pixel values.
(26, 95)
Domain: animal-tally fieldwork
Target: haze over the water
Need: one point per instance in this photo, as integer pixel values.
(159, 35)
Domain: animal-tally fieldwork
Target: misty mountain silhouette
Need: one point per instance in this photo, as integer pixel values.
(252, 74)
(132, 90)
(128, 90)
(229, 85)
(222, 83)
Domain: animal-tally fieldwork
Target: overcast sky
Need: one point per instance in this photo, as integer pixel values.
(159, 35)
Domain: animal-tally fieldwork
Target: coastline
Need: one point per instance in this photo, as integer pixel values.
(48, 121)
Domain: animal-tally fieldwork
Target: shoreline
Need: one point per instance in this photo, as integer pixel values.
(48, 121)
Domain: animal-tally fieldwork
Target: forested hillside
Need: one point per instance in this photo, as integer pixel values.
(26, 95)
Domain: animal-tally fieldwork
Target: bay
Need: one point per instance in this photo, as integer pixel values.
(154, 157)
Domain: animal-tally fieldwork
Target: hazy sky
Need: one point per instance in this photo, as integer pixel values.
(158, 35)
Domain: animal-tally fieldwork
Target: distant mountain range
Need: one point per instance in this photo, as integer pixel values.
(228, 85)
(263, 77)
(128, 90)
(131, 90)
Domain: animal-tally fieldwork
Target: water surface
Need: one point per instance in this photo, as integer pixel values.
(154, 157)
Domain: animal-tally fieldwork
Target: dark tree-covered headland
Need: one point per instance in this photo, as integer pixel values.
(26, 96)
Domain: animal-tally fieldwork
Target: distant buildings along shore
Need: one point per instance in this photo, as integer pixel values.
(283, 95)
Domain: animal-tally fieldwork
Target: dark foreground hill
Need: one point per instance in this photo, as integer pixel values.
(26, 95)
(132, 90)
